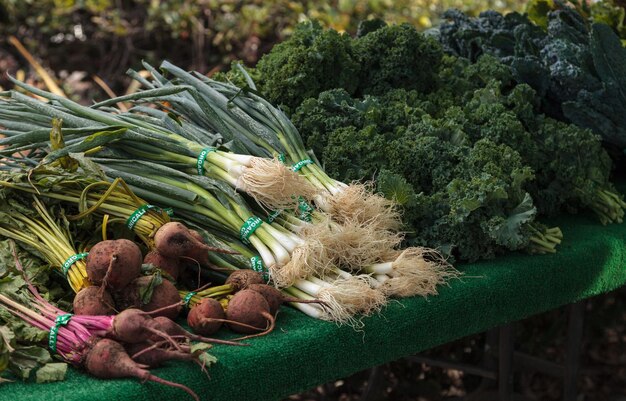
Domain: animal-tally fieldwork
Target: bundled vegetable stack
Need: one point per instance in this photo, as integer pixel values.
(462, 147)
(108, 276)
(107, 346)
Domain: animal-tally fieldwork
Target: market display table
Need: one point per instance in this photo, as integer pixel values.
(302, 353)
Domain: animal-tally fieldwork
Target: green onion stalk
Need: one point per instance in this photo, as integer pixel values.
(49, 237)
(265, 179)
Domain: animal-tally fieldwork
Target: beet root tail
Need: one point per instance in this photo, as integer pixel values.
(269, 329)
(186, 389)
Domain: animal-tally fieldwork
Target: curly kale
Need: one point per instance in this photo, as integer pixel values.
(572, 169)
(472, 204)
(397, 56)
(314, 60)
(477, 145)
(311, 61)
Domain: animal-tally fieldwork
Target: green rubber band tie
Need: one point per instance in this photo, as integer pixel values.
(248, 228)
(258, 266)
(142, 210)
(188, 297)
(202, 157)
(281, 158)
(71, 260)
(272, 216)
(305, 210)
(296, 167)
(60, 320)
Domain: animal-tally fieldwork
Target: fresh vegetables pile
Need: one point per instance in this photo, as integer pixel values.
(463, 147)
(245, 194)
(127, 217)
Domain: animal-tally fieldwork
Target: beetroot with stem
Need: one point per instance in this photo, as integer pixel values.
(275, 298)
(175, 240)
(175, 331)
(163, 295)
(107, 359)
(241, 279)
(114, 263)
(169, 265)
(206, 318)
(154, 354)
(250, 308)
(136, 326)
(93, 301)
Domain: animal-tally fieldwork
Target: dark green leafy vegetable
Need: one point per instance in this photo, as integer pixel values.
(21, 353)
(311, 61)
(576, 69)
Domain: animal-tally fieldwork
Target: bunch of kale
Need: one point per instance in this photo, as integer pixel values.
(578, 70)
(460, 146)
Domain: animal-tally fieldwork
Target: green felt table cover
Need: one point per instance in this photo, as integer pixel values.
(302, 352)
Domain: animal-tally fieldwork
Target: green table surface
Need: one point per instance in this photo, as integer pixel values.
(302, 352)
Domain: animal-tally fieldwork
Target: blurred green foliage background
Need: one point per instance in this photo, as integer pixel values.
(105, 37)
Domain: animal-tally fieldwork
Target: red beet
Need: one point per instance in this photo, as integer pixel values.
(275, 298)
(163, 295)
(206, 318)
(152, 355)
(114, 263)
(93, 301)
(250, 308)
(169, 265)
(241, 279)
(135, 326)
(107, 359)
(175, 331)
(174, 240)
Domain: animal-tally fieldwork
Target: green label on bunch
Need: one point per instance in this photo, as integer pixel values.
(71, 260)
(60, 320)
(258, 266)
(296, 167)
(248, 228)
(272, 216)
(143, 209)
(305, 210)
(281, 158)
(188, 297)
(202, 157)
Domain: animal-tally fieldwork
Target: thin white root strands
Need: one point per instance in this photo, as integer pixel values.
(418, 271)
(274, 185)
(357, 201)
